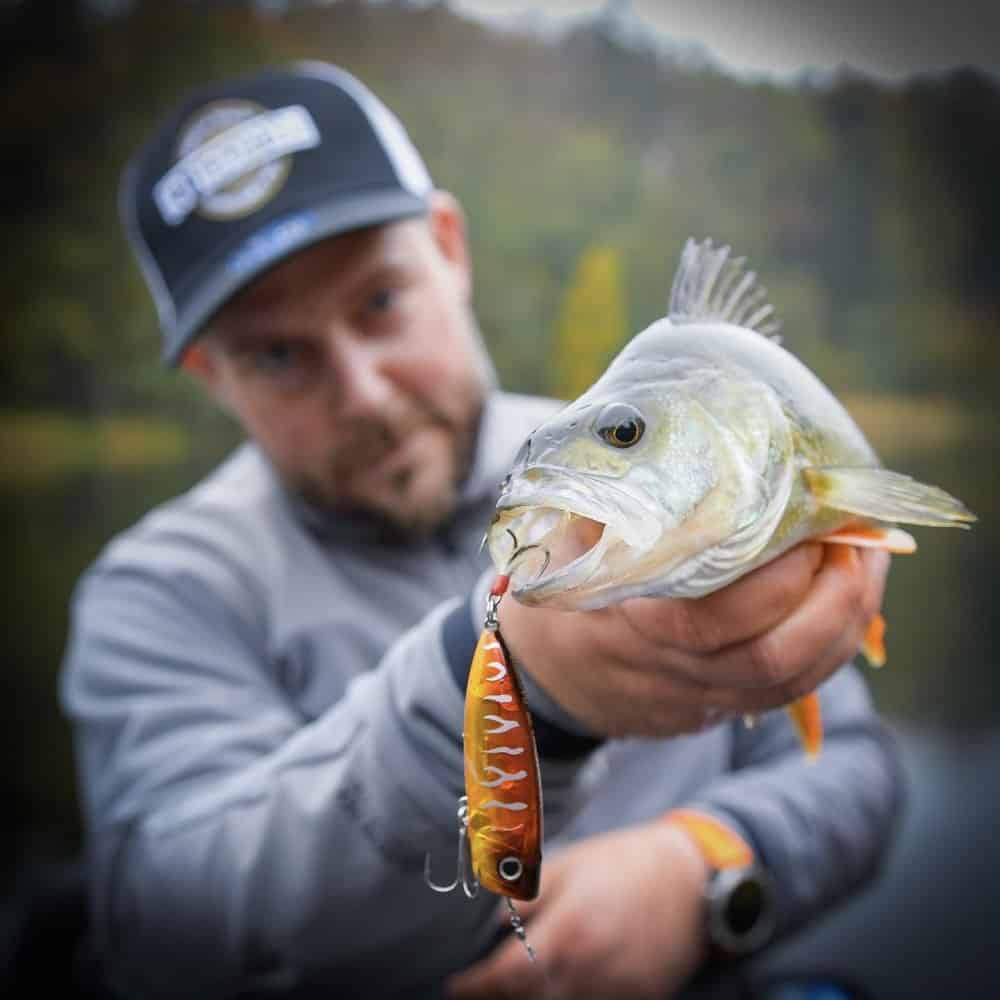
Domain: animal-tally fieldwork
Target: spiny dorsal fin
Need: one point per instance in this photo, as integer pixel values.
(712, 286)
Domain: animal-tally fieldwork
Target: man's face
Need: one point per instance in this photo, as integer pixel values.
(356, 367)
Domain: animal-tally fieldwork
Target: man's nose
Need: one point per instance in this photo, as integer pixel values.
(362, 386)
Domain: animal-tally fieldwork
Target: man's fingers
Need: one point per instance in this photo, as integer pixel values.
(757, 602)
(508, 971)
(876, 564)
(735, 614)
(821, 633)
(680, 665)
(827, 629)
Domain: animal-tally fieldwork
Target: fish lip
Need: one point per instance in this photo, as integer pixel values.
(560, 491)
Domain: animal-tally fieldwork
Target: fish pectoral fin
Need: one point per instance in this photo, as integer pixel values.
(808, 719)
(886, 496)
(873, 536)
(873, 644)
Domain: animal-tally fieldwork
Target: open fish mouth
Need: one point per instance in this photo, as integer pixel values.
(554, 540)
(541, 547)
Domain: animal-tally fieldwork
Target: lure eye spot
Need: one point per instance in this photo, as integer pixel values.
(620, 425)
(510, 868)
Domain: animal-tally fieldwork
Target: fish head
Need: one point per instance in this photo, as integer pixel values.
(614, 490)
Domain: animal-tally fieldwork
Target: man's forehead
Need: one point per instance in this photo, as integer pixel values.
(339, 261)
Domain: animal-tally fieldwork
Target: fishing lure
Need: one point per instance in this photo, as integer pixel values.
(500, 815)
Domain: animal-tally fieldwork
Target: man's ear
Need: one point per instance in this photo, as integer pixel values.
(203, 365)
(447, 222)
(198, 362)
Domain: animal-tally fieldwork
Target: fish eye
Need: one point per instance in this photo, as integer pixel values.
(620, 425)
(510, 868)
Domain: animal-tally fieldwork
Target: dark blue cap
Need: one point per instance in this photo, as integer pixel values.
(247, 171)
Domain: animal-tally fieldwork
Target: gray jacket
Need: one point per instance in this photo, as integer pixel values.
(267, 705)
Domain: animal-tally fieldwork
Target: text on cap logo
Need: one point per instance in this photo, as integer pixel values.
(233, 157)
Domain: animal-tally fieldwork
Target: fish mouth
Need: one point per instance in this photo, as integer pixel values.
(552, 537)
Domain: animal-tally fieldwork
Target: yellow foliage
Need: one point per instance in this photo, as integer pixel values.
(592, 324)
(43, 448)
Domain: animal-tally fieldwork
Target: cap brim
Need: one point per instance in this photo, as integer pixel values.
(235, 266)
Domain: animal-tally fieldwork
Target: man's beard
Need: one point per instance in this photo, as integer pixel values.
(372, 442)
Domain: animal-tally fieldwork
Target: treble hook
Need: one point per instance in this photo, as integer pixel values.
(519, 552)
(491, 622)
(463, 866)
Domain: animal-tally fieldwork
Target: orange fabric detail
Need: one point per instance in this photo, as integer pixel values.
(721, 847)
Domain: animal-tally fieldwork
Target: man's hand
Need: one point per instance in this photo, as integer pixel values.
(660, 667)
(620, 915)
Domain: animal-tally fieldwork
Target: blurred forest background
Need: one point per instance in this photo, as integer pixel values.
(871, 212)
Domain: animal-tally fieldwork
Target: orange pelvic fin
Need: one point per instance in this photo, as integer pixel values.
(869, 536)
(808, 721)
(873, 644)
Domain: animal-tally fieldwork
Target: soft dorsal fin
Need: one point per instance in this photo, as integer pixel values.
(712, 286)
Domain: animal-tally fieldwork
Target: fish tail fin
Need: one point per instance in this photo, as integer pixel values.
(808, 719)
(886, 496)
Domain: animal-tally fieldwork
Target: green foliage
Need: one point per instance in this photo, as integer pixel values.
(834, 194)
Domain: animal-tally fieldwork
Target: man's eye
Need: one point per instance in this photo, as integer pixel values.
(285, 363)
(382, 299)
(274, 358)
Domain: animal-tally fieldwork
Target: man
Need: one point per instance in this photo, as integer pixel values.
(266, 675)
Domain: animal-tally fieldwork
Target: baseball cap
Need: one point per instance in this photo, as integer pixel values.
(247, 171)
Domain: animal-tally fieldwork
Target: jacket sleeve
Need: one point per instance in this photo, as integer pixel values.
(237, 846)
(821, 827)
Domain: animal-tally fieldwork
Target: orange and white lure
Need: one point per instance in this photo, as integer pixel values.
(502, 787)
(500, 815)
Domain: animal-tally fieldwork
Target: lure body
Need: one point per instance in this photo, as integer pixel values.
(504, 819)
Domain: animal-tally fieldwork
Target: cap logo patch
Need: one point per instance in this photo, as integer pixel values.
(233, 157)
